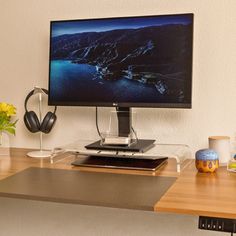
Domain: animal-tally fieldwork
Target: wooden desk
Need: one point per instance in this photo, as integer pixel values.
(192, 193)
(201, 194)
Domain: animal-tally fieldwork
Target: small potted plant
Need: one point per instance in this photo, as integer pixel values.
(6, 123)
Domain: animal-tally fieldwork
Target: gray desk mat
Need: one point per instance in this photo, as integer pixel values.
(87, 188)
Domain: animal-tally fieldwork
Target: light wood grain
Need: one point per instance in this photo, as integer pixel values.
(206, 194)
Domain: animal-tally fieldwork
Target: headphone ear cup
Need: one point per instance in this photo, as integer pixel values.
(32, 122)
(48, 122)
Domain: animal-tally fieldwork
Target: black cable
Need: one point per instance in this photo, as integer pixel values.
(232, 234)
(135, 134)
(99, 133)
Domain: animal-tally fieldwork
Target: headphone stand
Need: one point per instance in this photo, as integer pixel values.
(40, 153)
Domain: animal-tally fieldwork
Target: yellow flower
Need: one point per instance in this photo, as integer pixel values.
(7, 108)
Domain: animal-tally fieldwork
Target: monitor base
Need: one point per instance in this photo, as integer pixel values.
(141, 145)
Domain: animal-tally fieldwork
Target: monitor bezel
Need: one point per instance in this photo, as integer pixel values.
(187, 105)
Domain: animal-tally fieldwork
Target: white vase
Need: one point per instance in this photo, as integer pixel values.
(4, 144)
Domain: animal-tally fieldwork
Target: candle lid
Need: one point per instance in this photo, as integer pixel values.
(219, 137)
(206, 155)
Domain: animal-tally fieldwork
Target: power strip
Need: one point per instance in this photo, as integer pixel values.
(217, 224)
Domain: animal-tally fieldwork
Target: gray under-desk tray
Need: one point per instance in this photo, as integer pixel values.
(87, 188)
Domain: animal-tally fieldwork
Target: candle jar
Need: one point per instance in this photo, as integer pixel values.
(221, 144)
(207, 160)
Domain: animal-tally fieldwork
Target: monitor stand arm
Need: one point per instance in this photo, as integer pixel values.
(124, 121)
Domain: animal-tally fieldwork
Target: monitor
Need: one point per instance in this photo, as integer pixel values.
(143, 61)
(127, 62)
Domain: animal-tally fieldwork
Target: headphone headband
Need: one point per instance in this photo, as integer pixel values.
(32, 93)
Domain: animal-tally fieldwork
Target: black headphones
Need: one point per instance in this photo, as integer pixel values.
(31, 119)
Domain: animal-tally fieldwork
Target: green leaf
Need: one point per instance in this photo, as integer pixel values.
(10, 130)
(6, 124)
(14, 123)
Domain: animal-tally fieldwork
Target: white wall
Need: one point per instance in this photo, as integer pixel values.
(24, 43)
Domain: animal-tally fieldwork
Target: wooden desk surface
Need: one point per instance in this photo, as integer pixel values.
(192, 193)
(201, 194)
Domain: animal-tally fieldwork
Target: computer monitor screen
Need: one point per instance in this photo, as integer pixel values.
(128, 62)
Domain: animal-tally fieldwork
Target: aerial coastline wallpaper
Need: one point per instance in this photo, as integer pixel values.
(132, 59)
